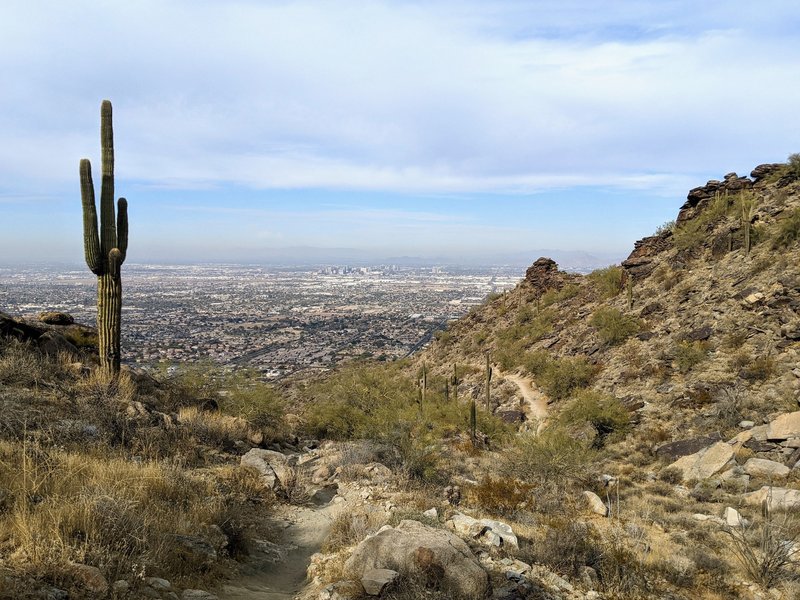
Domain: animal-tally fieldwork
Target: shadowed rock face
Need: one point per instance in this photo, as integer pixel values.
(544, 275)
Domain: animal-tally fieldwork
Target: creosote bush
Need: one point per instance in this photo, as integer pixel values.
(689, 354)
(602, 411)
(613, 326)
(787, 230)
(380, 403)
(608, 281)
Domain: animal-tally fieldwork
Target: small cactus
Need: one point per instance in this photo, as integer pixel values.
(488, 383)
(105, 251)
(630, 292)
(455, 382)
(473, 422)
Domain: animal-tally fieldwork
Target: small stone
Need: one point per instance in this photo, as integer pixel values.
(121, 586)
(596, 505)
(198, 595)
(746, 424)
(90, 577)
(158, 584)
(733, 518)
(376, 580)
(431, 513)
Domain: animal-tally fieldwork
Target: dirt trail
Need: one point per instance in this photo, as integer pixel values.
(535, 402)
(266, 580)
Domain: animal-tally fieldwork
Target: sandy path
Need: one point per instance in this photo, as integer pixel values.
(265, 580)
(535, 402)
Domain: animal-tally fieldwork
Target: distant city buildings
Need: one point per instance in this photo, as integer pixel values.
(278, 321)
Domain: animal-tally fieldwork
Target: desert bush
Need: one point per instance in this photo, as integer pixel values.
(349, 528)
(613, 327)
(665, 227)
(760, 368)
(23, 366)
(602, 411)
(501, 496)
(690, 354)
(552, 458)
(121, 516)
(608, 281)
(554, 296)
(561, 377)
(693, 233)
(787, 230)
(765, 548)
(793, 163)
(566, 546)
(380, 403)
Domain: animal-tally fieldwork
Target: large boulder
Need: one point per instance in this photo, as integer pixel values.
(767, 469)
(56, 318)
(415, 550)
(784, 427)
(486, 531)
(705, 463)
(674, 450)
(276, 469)
(782, 498)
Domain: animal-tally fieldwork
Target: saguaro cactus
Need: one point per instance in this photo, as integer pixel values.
(105, 251)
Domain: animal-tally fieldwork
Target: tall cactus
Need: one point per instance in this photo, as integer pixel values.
(105, 251)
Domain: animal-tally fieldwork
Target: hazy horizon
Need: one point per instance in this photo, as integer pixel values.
(452, 129)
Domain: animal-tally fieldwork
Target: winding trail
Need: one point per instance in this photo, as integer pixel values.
(535, 402)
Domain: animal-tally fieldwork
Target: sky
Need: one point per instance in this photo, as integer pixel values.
(434, 128)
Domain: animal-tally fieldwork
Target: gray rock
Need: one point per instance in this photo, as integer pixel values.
(487, 531)
(779, 498)
(193, 549)
(746, 424)
(761, 467)
(198, 595)
(274, 467)
(376, 580)
(705, 463)
(341, 590)
(158, 584)
(674, 450)
(733, 518)
(412, 548)
(431, 513)
(595, 503)
(784, 427)
(91, 578)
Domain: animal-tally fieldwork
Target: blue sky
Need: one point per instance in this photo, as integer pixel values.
(419, 128)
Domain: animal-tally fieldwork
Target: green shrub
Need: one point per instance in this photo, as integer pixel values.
(563, 376)
(608, 281)
(759, 369)
(664, 227)
(690, 354)
(603, 412)
(788, 230)
(693, 233)
(553, 457)
(794, 164)
(553, 296)
(613, 327)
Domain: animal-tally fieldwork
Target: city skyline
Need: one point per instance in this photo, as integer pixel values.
(436, 130)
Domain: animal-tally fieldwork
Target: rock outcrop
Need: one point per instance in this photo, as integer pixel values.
(442, 558)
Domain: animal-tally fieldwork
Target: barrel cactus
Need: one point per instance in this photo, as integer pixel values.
(105, 250)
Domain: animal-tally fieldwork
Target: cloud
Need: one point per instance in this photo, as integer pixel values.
(437, 97)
